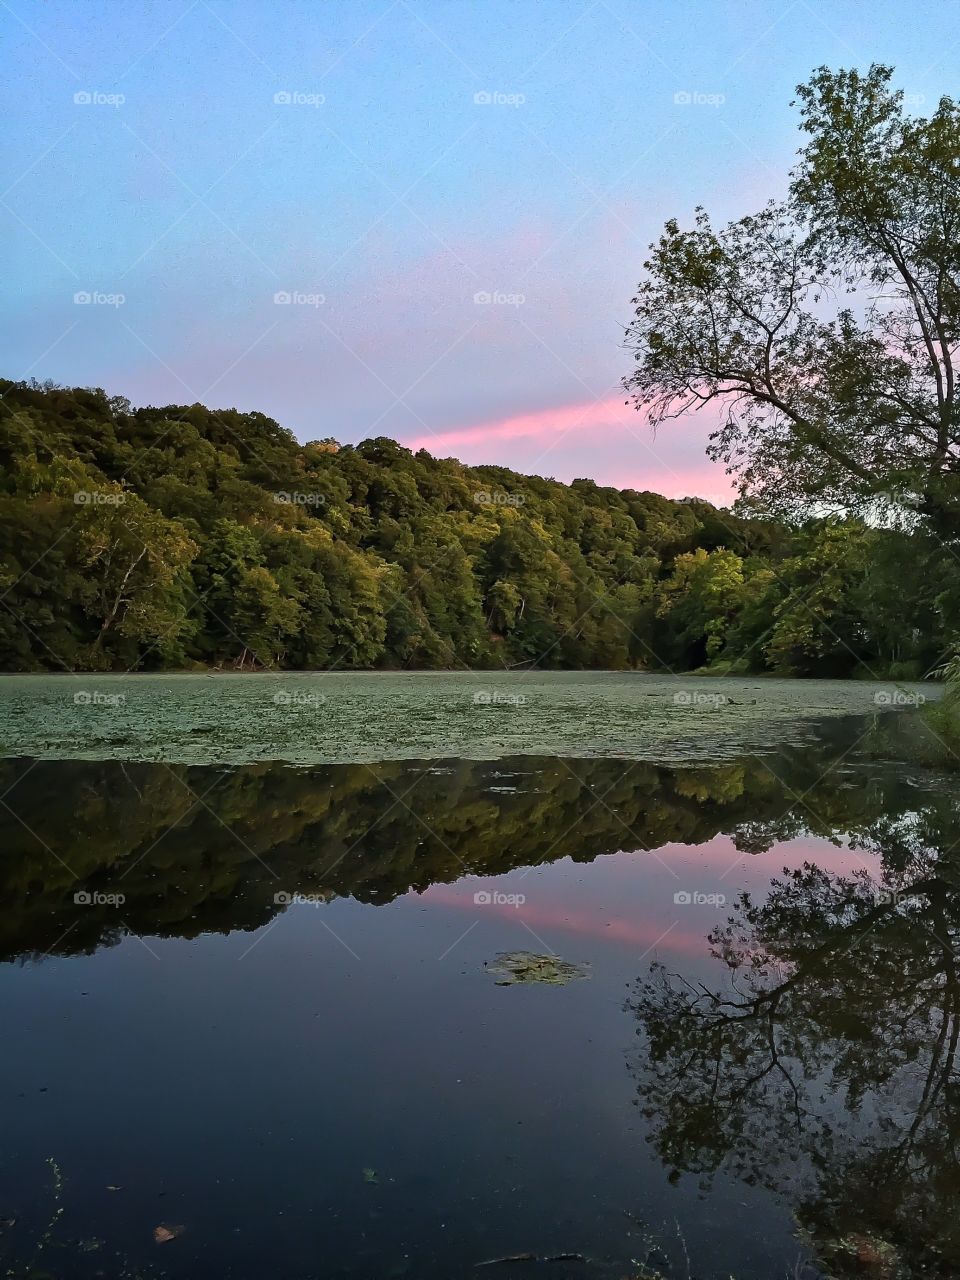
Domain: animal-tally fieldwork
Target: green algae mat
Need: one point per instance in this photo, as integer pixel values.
(323, 718)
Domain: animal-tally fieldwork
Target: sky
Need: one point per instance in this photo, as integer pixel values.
(423, 219)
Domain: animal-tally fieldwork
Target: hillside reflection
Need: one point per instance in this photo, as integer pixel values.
(195, 850)
(806, 1044)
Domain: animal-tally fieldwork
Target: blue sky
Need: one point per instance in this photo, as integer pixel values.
(148, 158)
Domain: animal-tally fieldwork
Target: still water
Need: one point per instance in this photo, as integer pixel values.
(264, 1009)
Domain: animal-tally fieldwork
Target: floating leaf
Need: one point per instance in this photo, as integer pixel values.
(166, 1232)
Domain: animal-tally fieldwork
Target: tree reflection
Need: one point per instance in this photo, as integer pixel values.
(824, 1064)
(197, 850)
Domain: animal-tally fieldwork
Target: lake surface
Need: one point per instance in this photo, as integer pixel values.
(349, 717)
(270, 1006)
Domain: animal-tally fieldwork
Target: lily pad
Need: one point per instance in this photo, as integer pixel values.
(531, 966)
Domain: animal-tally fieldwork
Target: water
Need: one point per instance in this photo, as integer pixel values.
(338, 717)
(256, 1002)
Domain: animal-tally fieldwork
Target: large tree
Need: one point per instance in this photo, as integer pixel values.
(827, 325)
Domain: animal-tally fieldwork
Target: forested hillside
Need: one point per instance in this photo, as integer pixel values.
(167, 538)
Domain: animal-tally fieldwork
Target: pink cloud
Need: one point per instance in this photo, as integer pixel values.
(537, 424)
(605, 439)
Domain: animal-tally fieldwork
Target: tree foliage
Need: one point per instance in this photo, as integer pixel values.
(852, 404)
(178, 537)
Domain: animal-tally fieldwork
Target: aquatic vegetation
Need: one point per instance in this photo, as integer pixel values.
(346, 717)
(512, 967)
(52, 1254)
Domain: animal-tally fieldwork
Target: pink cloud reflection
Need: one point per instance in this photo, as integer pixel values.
(631, 901)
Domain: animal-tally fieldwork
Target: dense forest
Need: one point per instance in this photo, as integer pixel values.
(178, 537)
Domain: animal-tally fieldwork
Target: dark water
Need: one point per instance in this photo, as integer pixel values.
(286, 1037)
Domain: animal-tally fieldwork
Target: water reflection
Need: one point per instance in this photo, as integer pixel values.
(195, 850)
(824, 1064)
(796, 1056)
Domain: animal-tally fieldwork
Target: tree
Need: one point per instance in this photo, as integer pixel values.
(819, 628)
(699, 599)
(133, 564)
(858, 409)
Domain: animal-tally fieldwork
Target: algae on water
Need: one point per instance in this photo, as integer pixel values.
(530, 966)
(364, 717)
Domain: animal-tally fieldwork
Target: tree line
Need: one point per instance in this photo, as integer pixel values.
(180, 537)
